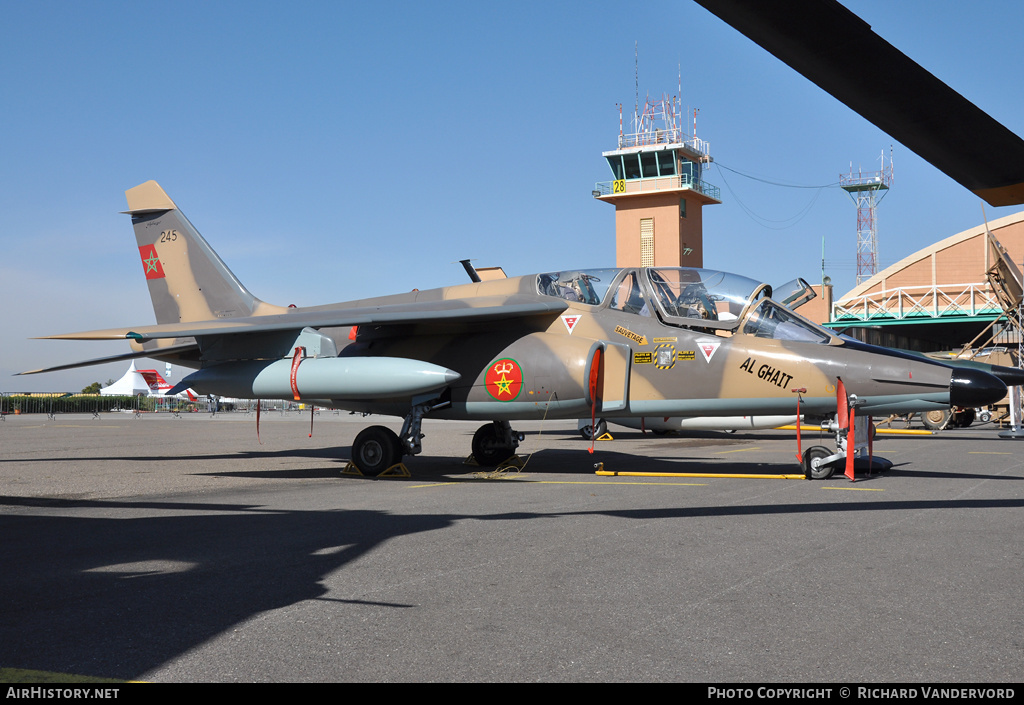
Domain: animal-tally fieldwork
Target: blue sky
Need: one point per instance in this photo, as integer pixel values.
(334, 150)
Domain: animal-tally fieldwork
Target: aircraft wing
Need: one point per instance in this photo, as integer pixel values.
(155, 352)
(820, 39)
(453, 311)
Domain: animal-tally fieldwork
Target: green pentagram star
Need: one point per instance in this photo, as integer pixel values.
(151, 262)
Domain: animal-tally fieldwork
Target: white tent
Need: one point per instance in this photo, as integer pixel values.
(146, 382)
(130, 384)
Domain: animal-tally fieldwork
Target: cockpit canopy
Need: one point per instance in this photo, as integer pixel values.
(685, 297)
(714, 297)
(585, 286)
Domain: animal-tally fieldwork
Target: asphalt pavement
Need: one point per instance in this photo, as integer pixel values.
(187, 549)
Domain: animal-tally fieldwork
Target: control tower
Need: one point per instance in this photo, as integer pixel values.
(658, 189)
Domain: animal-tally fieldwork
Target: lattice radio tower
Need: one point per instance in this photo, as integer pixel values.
(867, 190)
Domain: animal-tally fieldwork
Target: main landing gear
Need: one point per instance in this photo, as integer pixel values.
(592, 433)
(378, 448)
(495, 443)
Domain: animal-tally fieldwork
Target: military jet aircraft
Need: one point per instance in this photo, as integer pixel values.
(632, 342)
(641, 342)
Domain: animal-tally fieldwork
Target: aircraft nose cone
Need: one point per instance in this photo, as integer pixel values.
(971, 388)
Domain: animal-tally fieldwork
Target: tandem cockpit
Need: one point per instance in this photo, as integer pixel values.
(686, 297)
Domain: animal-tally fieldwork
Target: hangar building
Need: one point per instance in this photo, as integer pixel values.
(938, 298)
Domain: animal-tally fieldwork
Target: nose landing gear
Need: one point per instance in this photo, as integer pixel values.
(820, 463)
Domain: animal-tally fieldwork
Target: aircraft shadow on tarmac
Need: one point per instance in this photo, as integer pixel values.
(120, 596)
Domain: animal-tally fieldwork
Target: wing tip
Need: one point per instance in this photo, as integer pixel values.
(1011, 195)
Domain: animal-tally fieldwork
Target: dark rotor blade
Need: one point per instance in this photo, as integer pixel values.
(839, 52)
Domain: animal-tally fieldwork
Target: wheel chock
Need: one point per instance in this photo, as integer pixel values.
(396, 470)
(471, 461)
(514, 462)
(351, 469)
(606, 437)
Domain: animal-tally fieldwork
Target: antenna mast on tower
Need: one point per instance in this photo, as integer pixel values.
(636, 80)
(864, 188)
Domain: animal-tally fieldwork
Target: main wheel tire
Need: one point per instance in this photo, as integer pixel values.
(376, 449)
(813, 469)
(964, 418)
(489, 447)
(592, 433)
(936, 419)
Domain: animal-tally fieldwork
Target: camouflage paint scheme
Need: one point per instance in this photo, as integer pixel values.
(503, 350)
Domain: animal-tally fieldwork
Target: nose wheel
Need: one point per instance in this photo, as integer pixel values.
(819, 463)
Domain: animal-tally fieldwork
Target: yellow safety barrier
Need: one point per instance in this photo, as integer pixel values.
(889, 431)
(614, 473)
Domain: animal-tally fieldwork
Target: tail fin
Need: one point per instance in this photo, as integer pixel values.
(187, 280)
(157, 384)
(160, 386)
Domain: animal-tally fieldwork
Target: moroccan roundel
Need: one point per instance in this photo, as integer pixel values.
(504, 379)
